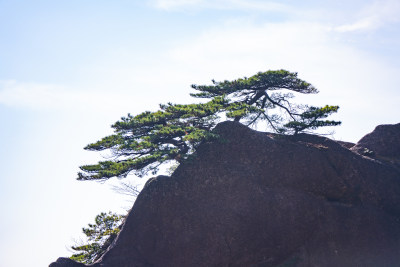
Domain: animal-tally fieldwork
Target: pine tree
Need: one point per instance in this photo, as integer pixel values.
(310, 119)
(99, 237)
(141, 143)
(265, 97)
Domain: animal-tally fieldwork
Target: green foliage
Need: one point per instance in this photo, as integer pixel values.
(141, 143)
(252, 89)
(265, 97)
(310, 119)
(99, 235)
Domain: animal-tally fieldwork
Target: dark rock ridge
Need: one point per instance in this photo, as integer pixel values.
(259, 199)
(382, 144)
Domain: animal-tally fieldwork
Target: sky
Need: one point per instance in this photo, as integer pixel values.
(70, 69)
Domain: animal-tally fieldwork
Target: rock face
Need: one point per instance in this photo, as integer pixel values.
(383, 143)
(258, 199)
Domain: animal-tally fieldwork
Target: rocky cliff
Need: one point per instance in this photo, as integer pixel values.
(260, 199)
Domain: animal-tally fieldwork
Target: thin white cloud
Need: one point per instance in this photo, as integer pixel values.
(370, 17)
(365, 24)
(118, 91)
(54, 97)
(221, 4)
(171, 4)
(373, 16)
(253, 47)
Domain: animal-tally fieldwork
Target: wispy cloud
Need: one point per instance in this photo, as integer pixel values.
(365, 24)
(171, 4)
(118, 91)
(373, 16)
(221, 4)
(55, 97)
(256, 47)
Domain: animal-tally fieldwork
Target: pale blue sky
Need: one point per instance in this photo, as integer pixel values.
(69, 69)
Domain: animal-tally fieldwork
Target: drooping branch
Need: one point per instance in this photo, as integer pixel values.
(142, 143)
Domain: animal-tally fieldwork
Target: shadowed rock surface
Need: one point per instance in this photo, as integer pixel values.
(260, 199)
(382, 144)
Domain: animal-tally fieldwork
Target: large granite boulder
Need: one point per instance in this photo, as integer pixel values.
(260, 199)
(383, 144)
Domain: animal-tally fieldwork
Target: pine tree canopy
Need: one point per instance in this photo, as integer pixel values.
(254, 88)
(141, 143)
(265, 97)
(309, 119)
